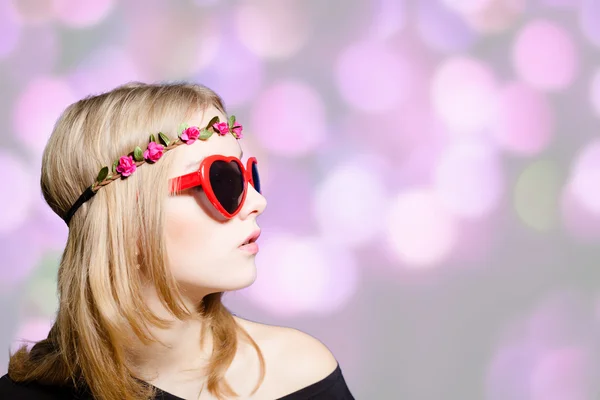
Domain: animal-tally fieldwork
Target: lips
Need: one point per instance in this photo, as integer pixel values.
(253, 237)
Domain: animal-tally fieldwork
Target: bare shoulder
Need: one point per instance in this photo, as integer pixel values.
(292, 356)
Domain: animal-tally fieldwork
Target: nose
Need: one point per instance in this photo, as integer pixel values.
(254, 204)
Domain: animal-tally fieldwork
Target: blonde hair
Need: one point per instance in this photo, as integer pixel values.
(99, 285)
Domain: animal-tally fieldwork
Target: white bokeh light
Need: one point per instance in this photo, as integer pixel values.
(420, 232)
(464, 94)
(577, 219)
(466, 6)
(585, 177)
(303, 275)
(468, 179)
(272, 28)
(348, 204)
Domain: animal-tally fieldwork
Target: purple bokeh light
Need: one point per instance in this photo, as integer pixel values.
(563, 374)
(238, 82)
(36, 110)
(589, 20)
(442, 28)
(22, 249)
(390, 17)
(372, 77)
(289, 208)
(545, 67)
(10, 29)
(288, 119)
(36, 54)
(560, 4)
(102, 71)
(525, 122)
(508, 374)
(549, 354)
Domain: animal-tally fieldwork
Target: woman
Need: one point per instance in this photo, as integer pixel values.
(154, 241)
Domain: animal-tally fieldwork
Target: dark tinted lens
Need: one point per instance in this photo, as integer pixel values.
(255, 177)
(227, 184)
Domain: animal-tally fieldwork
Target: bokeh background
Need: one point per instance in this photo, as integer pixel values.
(432, 169)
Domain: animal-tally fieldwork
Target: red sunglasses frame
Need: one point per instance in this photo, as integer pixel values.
(201, 177)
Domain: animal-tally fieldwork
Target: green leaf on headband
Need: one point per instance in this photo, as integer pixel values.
(205, 134)
(164, 139)
(102, 175)
(153, 138)
(114, 167)
(213, 121)
(232, 121)
(138, 155)
(182, 127)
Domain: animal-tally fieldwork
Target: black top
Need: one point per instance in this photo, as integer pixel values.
(332, 387)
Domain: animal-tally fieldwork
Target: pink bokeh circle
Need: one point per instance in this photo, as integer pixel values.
(546, 67)
(80, 14)
(525, 120)
(289, 119)
(38, 108)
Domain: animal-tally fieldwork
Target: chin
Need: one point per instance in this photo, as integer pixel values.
(237, 278)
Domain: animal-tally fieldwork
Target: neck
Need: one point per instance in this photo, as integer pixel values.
(177, 352)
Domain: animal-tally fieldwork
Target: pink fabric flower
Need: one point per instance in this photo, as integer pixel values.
(237, 131)
(189, 135)
(222, 128)
(126, 166)
(154, 152)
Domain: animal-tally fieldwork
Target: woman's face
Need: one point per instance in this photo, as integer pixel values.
(203, 247)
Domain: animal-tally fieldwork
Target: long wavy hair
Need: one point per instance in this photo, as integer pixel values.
(110, 236)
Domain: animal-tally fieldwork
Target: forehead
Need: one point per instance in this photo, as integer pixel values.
(187, 157)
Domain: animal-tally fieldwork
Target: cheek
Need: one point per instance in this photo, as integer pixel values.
(192, 237)
(186, 229)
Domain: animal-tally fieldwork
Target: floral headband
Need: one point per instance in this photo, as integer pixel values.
(127, 165)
